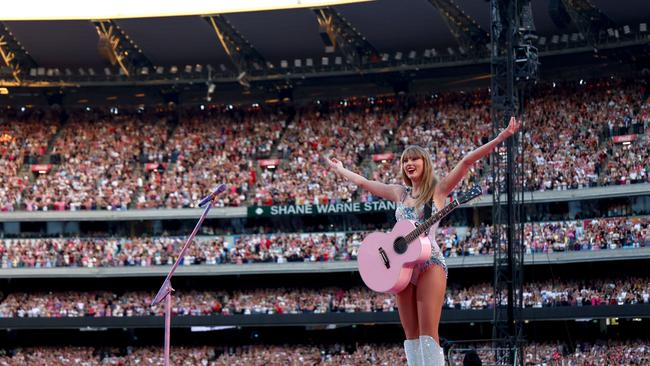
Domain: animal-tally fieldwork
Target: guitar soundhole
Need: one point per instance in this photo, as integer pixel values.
(400, 245)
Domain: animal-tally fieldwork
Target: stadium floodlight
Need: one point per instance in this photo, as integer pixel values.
(325, 61)
(125, 9)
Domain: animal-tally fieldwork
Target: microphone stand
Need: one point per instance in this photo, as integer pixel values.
(165, 292)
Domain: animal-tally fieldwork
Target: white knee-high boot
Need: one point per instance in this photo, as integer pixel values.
(413, 353)
(432, 353)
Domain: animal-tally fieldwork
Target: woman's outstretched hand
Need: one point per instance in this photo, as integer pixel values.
(333, 163)
(512, 128)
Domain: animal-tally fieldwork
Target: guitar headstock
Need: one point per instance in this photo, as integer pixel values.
(469, 195)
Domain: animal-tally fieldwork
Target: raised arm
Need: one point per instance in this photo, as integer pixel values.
(449, 182)
(389, 192)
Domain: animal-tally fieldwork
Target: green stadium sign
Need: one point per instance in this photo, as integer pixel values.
(335, 208)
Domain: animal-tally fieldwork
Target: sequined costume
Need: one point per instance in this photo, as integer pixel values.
(403, 212)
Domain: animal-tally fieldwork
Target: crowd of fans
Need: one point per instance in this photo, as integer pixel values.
(449, 126)
(546, 237)
(594, 292)
(349, 131)
(24, 140)
(97, 158)
(149, 160)
(209, 147)
(628, 163)
(566, 130)
(139, 251)
(632, 352)
(249, 355)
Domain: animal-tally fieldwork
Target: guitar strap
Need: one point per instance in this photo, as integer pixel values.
(428, 208)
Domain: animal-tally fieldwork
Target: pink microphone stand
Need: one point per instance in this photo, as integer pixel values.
(165, 292)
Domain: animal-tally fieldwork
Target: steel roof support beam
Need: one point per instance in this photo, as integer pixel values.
(588, 18)
(118, 48)
(346, 38)
(13, 55)
(243, 55)
(469, 34)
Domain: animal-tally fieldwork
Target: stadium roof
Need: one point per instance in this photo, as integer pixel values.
(389, 26)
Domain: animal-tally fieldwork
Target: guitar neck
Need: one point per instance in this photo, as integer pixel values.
(421, 229)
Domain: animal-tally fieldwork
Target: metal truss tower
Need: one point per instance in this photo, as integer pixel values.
(118, 48)
(514, 64)
(13, 55)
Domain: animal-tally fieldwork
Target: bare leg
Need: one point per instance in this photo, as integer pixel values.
(408, 315)
(430, 296)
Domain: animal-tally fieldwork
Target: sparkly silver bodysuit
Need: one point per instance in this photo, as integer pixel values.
(403, 212)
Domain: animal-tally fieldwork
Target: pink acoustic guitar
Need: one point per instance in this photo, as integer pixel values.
(386, 260)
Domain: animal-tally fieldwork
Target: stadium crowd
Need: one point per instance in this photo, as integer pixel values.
(209, 147)
(134, 159)
(449, 126)
(594, 292)
(351, 131)
(24, 139)
(96, 163)
(632, 352)
(539, 237)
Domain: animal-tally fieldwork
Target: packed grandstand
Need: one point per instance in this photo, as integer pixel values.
(171, 165)
(149, 159)
(101, 174)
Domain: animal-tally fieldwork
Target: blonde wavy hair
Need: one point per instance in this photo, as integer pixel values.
(429, 179)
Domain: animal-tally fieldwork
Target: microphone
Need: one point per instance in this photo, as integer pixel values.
(220, 188)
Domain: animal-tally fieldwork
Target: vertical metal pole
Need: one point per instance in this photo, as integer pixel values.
(168, 321)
